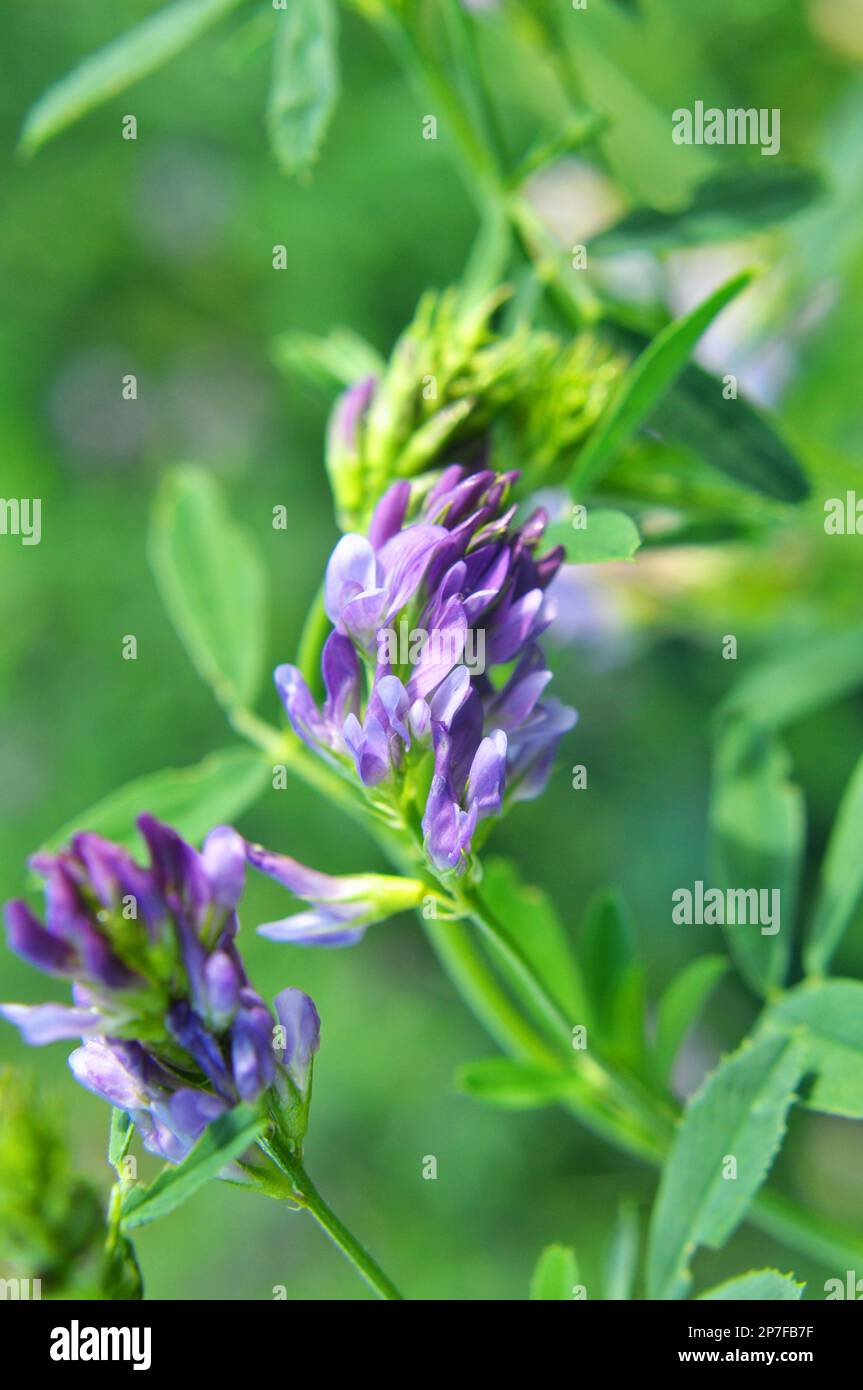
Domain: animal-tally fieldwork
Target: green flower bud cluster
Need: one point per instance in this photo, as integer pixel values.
(453, 387)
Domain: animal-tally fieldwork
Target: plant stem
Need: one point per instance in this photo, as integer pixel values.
(596, 1109)
(309, 1197)
(463, 39)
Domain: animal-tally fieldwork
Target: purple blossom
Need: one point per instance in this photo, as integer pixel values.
(455, 565)
(340, 907)
(173, 1032)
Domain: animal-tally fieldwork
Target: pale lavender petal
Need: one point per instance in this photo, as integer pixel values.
(301, 1022)
(404, 560)
(533, 774)
(252, 1062)
(487, 775)
(447, 828)
(453, 582)
(305, 717)
(532, 748)
(302, 881)
(341, 672)
(519, 698)
(188, 1113)
(352, 570)
(221, 987)
(224, 856)
(362, 615)
(419, 720)
(323, 926)
(47, 1023)
(370, 749)
(443, 649)
(450, 696)
(97, 1066)
(395, 704)
(511, 631)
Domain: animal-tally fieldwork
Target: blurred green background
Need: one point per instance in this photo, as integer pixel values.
(154, 257)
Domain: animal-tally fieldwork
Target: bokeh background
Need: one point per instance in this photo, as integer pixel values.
(154, 257)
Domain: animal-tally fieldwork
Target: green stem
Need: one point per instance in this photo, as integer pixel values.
(452, 944)
(622, 1126)
(309, 1197)
(428, 79)
(462, 33)
(595, 1108)
(553, 1016)
(484, 161)
(610, 1103)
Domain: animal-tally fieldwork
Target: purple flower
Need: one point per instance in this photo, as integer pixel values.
(174, 1033)
(445, 588)
(340, 907)
(344, 444)
(300, 1034)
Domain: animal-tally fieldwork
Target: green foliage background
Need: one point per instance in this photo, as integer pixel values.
(154, 257)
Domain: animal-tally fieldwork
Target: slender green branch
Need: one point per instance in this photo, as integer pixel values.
(307, 1195)
(463, 40)
(452, 943)
(598, 1107)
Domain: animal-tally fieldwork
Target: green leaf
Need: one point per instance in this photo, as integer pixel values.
(613, 978)
(679, 1006)
(621, 1262)
(729, 434)
(212, 583)
(122, 1132)
(757, 831)
(114, 68)
(841, 884)
(828, 1021)
(221, 1141)
(606, 535)
(333, 361)
(555, 1274)
(763, 1285)
(530, 917)
(732, 204)
(488, 260)
(305, 82)
(801, 678)
(191, 799)
(514, 1085)
(581, 129)
(646, 381)
(739, 1113)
